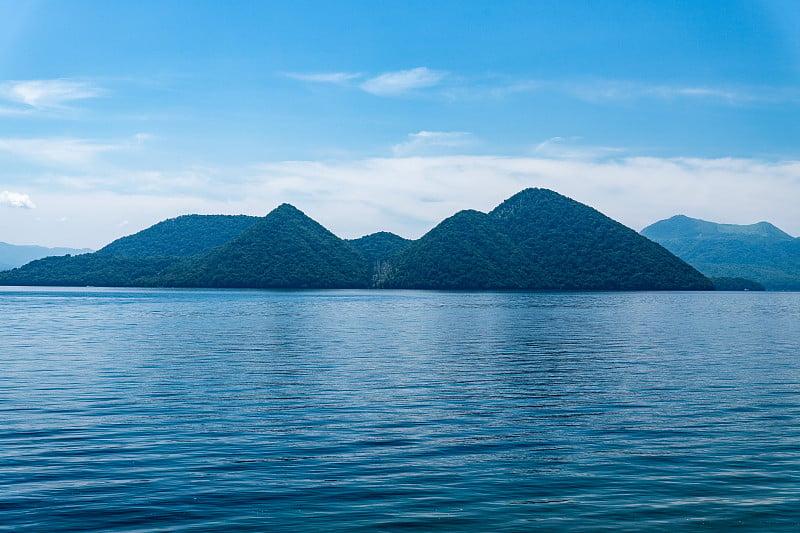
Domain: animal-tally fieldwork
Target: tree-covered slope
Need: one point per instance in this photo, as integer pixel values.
(183, 236)
(538, 239)
(285, 249)
(379, 246)
(465, 251)
(759, 252)
(136, 260)
(535, 240)
(94, 269)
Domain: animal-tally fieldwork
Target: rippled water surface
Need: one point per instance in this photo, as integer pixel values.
(159, 410)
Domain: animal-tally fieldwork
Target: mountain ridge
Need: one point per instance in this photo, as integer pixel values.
(534, 240)
(759, 252)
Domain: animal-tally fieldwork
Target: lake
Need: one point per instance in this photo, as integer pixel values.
(128, 410)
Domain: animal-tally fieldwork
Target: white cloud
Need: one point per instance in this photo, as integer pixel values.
(403, 81)
(338, 78)
(397, 83)
(67, 151)
(47, 94)
(16, 199)
(572, 148)
(426, 141)
(409, 195)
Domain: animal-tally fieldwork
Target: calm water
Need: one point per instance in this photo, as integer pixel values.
(159, 410)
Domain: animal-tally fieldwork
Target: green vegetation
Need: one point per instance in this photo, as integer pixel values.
(536, 240)
(95, 269)
(379, 246)
(759, 252)
(285, 249)
(183, 236)
(137, 260)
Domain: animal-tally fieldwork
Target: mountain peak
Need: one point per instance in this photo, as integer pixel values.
(286, 209)
(682, 227)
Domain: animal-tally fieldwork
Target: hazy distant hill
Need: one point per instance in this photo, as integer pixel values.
(536, 239)
(12, 255)
(759, 252)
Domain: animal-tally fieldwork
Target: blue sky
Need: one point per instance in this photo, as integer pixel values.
(392, 115)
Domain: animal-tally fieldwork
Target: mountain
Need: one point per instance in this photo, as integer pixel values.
(136, 260)
(285, 249)
(758, 252)
(538, 240)
(379, 246)
(183, 236)
(535, 240)
(681, 228)
(12, 255)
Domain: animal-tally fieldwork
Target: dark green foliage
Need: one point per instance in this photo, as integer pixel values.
(136, 260)
(379, 246)
(285, 249)
(536, 240)
(736, 284)
(759, 252)
(182, 236)
(89, 269)
(539, 240)
(465, 251)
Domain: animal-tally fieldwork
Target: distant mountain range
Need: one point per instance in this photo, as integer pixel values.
(759, 252)
(13, 255)
(535, 240)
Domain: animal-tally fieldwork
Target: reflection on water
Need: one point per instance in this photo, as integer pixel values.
(149, 410)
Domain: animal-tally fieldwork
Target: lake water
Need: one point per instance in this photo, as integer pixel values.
(169, 410)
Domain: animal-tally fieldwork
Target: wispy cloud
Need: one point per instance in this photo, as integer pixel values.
(16, 199)
(403, 81)
(338, 78)
(423, 142)
(599, 91)
(66, 151)
(573, 148)
(394, 83)
(47, 94)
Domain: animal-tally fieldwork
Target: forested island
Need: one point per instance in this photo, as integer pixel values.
(535, 240)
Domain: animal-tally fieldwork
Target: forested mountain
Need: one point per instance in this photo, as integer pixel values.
(183, 236)
(758, 252)
(379, 246)
(538, 239)
(136, 260)
(13, 255)
(535, 240)
(285, 249)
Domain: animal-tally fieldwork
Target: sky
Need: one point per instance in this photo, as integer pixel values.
(392, 115)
